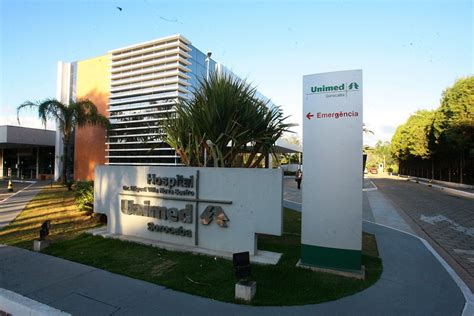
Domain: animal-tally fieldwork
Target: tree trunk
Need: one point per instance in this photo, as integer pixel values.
(258, 161)
(449, 173)
(252, 156)
(461, 169)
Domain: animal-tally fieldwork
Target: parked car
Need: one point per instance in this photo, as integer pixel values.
(373, 170)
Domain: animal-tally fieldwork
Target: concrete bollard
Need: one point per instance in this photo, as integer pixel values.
(39, 245)
(245, 290)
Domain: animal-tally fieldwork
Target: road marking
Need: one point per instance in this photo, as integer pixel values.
(17, 192)
(464, 252)
(371, 189)
(441, 218)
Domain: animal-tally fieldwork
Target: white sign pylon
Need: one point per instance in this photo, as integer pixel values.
(331, 234)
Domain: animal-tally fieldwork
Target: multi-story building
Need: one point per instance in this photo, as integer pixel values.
(146, 80)
(136, 87)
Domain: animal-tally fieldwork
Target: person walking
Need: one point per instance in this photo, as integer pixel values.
(298, 178)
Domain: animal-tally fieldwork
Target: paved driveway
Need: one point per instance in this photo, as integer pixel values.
(446, 220)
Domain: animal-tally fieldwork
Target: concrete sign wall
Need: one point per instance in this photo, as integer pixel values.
(210, 208)
(331, 234)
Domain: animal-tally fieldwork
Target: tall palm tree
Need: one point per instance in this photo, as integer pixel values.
(67, 116)
(223, 117)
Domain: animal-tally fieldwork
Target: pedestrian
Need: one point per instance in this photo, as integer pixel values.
(298, 178)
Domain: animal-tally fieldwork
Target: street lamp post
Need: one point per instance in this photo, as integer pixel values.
(208, 61)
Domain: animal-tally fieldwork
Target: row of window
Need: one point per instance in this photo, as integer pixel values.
(116, 54)
(154, 62)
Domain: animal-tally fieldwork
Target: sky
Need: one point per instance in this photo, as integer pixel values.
(409, 51)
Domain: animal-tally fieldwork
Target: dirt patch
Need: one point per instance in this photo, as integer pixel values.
(161, 268)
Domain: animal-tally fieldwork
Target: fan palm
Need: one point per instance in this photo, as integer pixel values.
(225, 118)
(67, 117)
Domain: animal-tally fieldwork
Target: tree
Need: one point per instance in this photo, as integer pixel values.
(225, 119)
(453, 127)
(444, 136)
(412, 138)
(80, 113)
(383, 152)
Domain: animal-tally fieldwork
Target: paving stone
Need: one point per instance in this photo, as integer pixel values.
(450, 218)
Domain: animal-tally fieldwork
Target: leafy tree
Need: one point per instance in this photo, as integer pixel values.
(382, 151)
(453, 127)
(412, 138)
(67, 116)
(223, 118)
(445, 135)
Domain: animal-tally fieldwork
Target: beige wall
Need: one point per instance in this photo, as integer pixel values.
(92, 83)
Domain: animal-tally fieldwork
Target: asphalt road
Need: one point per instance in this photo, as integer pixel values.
(445, 220)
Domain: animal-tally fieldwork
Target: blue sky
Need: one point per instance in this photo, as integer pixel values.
(409, 51)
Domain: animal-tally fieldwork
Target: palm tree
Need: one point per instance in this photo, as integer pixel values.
(67, 116)
(224, 117)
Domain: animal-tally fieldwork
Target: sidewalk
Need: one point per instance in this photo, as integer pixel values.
(12, 205)
(413, 282)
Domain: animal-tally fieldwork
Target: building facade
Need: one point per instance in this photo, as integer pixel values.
(136, 87)
(146, 81)
(26, 153)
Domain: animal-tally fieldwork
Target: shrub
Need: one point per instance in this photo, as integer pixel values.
(85, 196)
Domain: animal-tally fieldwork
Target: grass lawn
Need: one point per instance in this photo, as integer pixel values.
(55, 204)
(282, 284)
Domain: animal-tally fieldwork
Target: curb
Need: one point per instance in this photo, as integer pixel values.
(468, 295)
(16, 304)
(442, 188)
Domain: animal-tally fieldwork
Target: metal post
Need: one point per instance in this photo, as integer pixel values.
(17, 164)
(196, 221)
(37, 162)
(2, 164)
(208, 61)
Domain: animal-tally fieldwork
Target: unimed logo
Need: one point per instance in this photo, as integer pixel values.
(343, 87)
(353, 86)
